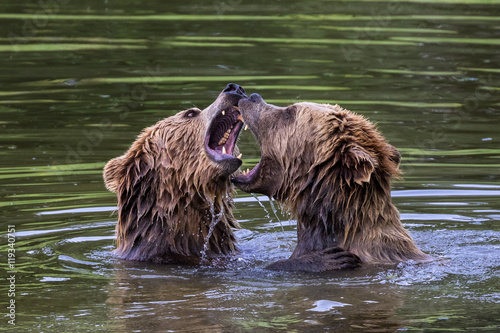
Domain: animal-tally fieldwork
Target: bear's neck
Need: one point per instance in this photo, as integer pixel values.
(152, 227)
(359, 219)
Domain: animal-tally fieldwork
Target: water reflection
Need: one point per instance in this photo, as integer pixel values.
(154, 298)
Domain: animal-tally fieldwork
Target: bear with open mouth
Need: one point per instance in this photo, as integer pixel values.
(332, 169)
(174, 186)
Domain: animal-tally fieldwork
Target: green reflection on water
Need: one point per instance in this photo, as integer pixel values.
(485, 41)
(300, 41)
(375, 102)
(63, 47)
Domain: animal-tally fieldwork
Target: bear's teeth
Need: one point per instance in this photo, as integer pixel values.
(222, 141)
(240, 156)
(240, 118)
(223, 112)
(223, 150)
(246, 127)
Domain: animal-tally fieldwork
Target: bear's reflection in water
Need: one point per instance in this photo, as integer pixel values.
(147, 298)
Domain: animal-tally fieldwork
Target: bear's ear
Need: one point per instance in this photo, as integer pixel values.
(357, 164)
(394, 154)
(113, 173)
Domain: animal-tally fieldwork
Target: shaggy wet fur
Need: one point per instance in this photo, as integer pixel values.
(169, 192)
(332, 169)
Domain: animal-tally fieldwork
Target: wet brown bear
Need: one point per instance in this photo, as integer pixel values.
(174, 182)
(332, 169)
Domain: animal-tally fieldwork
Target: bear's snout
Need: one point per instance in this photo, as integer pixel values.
(233, 87)
(255, 98)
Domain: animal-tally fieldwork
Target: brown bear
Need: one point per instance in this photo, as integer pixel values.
(332, 169)
(174, 189)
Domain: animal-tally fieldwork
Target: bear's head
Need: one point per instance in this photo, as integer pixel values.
(313, 145)
(332, 169)
(196, 145)
(175, 180)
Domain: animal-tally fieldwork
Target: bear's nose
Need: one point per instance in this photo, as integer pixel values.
(255, 98)
(233, 87)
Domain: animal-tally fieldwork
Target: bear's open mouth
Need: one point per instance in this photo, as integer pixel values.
(248, 176)
(223, 133)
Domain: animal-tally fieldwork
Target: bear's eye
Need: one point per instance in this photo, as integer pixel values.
(191, 113)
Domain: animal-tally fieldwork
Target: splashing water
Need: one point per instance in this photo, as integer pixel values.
(215, 219)
(276, 213)
(268, 215)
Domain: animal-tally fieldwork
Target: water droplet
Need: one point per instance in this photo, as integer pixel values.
(215, 219)
(276, 213)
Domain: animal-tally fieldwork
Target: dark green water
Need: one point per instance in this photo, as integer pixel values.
(79, 80)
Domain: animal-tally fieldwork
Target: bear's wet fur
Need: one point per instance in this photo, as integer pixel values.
(331, 169)
(174, 191)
